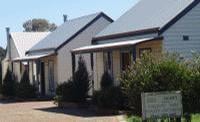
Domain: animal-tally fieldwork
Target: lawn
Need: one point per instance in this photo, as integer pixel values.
(195, 118)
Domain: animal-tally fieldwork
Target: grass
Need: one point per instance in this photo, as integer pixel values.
(133, 119)
(195, 118)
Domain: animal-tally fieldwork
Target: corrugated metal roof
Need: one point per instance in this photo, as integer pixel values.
(64, 32)
(146, 14)
(114, 45)
(34, 57)
(25, 40)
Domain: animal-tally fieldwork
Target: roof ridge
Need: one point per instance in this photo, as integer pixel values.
(76, 18)
(30, 32)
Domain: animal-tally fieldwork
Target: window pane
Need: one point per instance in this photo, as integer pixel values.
(125, 60)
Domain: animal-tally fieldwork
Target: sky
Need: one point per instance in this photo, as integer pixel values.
(13, 13)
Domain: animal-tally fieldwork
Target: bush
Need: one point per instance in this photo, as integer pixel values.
(65, 92)
(77, 88)
(25, 89)
(0, 77)
(1, 87)
(106, 80)
(9, 85)
(111, 98)
(167, 73)
(81, 82)
(192, 95)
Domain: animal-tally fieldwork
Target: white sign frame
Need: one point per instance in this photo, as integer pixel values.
(161, 105)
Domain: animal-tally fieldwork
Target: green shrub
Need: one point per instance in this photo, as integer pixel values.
(9, 85)
(1, 84)
(111, 98)
(153, 74)
(65, 92)
(1, 87)
(106, 80)
(77, 88)
(81, 82)
(25, 89)
(192, 95)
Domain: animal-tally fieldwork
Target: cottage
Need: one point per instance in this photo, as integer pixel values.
(52, 56)
(18, 44)
(150, 26)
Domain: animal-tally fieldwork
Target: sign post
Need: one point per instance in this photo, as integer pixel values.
(162, 105)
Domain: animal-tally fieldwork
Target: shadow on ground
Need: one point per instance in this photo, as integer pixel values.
(17, 100)
(80, 112)
(7, 101)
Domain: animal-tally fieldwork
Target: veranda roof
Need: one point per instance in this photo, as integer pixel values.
(33, 57)
(112, 46)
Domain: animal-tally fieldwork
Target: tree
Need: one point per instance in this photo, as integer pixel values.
(2, 53)
(77, 88)
(2, 56)
(9, 85)
(106, 80)
(25, 89)
(81, 81)
(38, 25)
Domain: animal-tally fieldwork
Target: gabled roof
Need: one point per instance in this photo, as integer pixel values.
(149, 15)
(25, 40)
(66, 32)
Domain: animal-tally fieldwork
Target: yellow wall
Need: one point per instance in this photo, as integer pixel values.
(156, 47)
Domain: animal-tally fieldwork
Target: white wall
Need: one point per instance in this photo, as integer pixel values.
(64, 60)
(6, 63)
(188, 25)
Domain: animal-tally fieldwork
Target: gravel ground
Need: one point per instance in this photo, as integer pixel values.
(47, 112)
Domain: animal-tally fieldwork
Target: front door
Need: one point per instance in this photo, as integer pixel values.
(43, 78)
(125, 60)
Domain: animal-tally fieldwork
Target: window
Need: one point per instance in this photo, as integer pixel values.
(186, 38)
(21, 68)
(12, 67)
(144, 50)
(107, 61)
(125, 60)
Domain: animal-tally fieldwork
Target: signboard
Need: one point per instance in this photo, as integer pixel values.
(161, 105)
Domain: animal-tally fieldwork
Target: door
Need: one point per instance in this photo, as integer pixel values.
(42, 78)
(125, 60)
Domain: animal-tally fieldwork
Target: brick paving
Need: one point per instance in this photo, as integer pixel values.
(47, 112)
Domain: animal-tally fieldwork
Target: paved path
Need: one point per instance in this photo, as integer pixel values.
(47, 112)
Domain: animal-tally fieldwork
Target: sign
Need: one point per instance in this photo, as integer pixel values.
(161, 105)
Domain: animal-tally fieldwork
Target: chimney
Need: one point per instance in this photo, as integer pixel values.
(8, 42)
(65, 18)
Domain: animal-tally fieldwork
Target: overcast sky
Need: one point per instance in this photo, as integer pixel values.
(14, 12)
